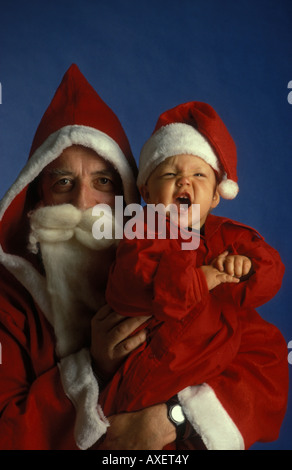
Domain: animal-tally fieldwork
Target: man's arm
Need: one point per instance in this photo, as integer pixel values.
(148, 429)
(113, 338)
(112, 341)
(35, 412)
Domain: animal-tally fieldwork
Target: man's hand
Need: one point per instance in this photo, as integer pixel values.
(148, 429)
(111, 341)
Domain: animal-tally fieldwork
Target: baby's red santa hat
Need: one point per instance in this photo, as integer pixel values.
(192, 128)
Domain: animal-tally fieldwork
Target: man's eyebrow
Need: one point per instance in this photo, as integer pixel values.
(103, 172)
(64, 172)
(58, 172)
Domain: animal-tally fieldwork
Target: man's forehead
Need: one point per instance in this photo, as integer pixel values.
(60, 170)
(73, 160)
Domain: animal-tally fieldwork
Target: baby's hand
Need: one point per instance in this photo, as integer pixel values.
(214, 277)
(234, 265)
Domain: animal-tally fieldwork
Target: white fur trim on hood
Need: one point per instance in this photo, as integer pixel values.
(54, 145)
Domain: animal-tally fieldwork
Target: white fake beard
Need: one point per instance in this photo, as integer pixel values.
(76, 267)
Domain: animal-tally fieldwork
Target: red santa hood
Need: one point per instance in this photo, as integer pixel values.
(76, 115)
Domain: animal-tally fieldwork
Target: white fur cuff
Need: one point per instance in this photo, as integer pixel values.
(210, 419)
(81, 387)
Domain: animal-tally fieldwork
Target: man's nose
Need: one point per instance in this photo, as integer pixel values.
(83, 197)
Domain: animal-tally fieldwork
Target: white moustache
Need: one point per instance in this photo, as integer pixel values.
(61, 223)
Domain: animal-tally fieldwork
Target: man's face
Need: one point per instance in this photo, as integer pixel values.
(81, 178)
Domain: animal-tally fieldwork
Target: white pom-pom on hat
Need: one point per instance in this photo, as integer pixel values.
(228, 189)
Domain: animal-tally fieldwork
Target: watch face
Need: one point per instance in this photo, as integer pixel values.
(177, 414)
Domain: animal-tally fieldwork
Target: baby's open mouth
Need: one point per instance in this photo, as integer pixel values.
(184, 200)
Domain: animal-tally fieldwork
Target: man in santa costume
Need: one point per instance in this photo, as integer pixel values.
(55, 348)
(80, 157)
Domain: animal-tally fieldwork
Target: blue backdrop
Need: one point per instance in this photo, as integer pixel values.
(145, 57)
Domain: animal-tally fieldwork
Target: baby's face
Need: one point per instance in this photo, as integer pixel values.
(183, 180)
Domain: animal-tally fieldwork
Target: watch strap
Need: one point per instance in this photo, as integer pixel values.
(180, 427)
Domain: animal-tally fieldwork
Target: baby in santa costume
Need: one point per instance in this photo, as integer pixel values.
(198, 299)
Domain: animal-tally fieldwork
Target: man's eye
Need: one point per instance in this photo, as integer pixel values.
(104, 184)
(63, 185)
(104, 181)
(63, 182)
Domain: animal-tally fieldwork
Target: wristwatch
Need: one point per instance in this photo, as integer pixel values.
(176, 416)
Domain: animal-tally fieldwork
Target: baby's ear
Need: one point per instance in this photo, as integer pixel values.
(144, 192)
(216, 199)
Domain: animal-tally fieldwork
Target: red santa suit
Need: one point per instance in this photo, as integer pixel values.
(194, 333)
